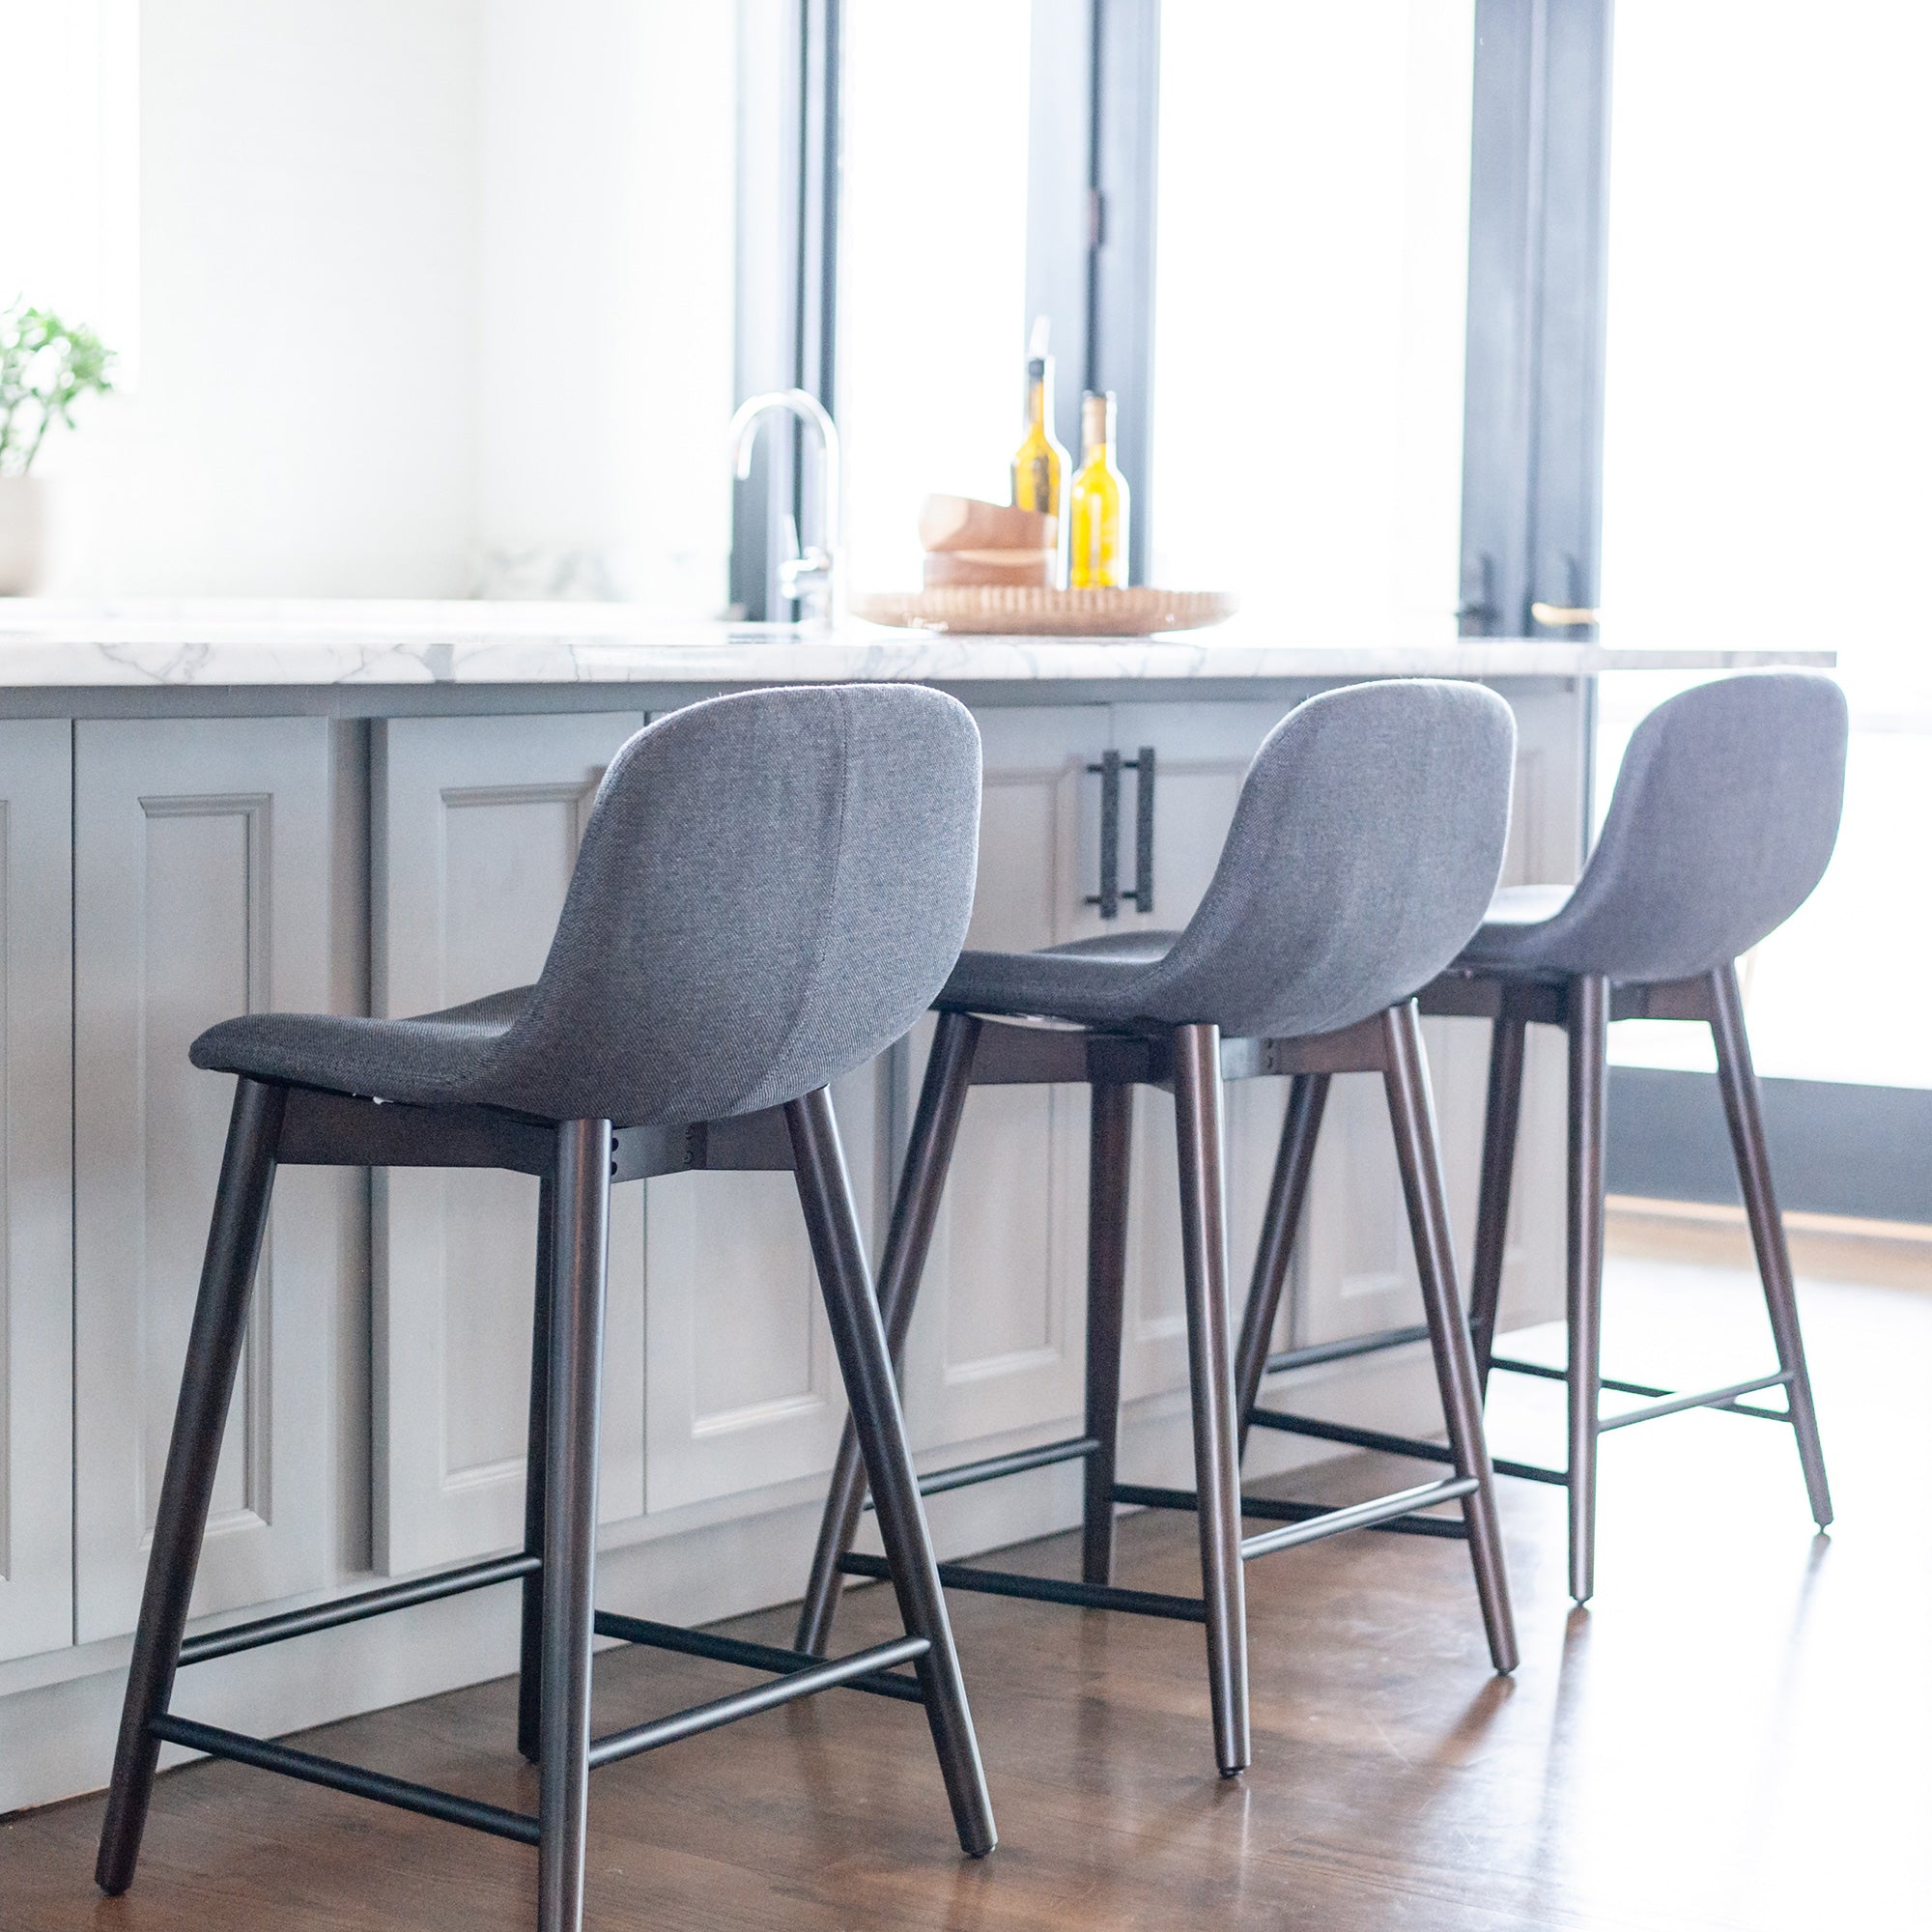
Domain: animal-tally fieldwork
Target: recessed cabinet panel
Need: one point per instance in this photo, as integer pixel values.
(35, 1254)
(202, 889)
(742, 1389)
(476, 827)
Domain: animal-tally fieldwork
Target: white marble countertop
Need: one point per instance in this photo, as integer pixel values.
(49, 643)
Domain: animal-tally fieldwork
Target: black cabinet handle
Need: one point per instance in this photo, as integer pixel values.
(1141, 892)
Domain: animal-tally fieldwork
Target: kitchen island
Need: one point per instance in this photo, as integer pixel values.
(373, 807)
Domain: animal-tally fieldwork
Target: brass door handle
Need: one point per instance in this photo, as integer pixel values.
(1564, 613)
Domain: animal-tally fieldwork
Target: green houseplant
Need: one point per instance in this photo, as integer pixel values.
(47, 365)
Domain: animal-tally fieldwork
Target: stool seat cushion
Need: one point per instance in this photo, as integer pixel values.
(1367, 839)
(1511, 930)
(441, 1059)
(1098, 982)
(770, 888)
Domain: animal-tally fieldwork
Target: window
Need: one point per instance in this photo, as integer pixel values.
(1768, 407)
(932, 322)
(1311, 281)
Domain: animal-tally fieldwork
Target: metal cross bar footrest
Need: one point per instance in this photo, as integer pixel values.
(1719, 1398)
(1393, 1446)
(422, 1798)
(736, 1650)
(1044, 1589)
(963, 1475)
(1280, 1509)
(795, 1675)
(865, 1669)
(1344, 1350)
(1669, 1403)
(352, 1609)
(794, 1683)
(1356, 1516)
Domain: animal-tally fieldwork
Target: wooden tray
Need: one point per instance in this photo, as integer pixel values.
(983, 609)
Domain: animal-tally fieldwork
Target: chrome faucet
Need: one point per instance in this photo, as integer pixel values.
(809, 575)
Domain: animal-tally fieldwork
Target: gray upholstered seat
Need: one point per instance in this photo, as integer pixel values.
(1366, 844)
(1723, 822)
(673, 990)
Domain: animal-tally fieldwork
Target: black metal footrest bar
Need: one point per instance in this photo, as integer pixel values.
(1724, 1399)
(821, 1676)
(1550, 1374)
(752, 1656)
(1044, 1589)
(963, 1475)
(1393, 1446)
(422, 1798)
(1356, 1516)
(1718, 1398)
(1345, 1350)
(1279, 1509)
(352, 1609)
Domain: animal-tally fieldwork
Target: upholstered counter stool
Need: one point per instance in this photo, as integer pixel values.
(1723, 821)
(1367, 840)
(770, 890)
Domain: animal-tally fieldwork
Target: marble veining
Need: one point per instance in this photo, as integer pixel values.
(46, 642)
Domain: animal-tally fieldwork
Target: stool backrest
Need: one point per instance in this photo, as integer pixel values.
(1723, 822)
(770, 890)
(1365, 848)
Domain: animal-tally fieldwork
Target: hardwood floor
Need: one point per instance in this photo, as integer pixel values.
(1735, 1735)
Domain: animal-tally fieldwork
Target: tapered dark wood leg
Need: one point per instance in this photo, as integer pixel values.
(208, 1382)
(1204, 1251)
(1589, 1008)
(1110, 1152)
(1412, 1117)
(581, 1213)
(935, 1128)
(1737, 1079)
(859, 1338)
(530, 1667)
(1501, 1115)
(1294, 1160)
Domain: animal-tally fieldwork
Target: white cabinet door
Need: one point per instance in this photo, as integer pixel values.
(203, 881)
(998, 1339)
(743, 1391)
(36, 1253)
(476, 823)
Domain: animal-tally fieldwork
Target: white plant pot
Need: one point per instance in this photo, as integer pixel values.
(23, 536)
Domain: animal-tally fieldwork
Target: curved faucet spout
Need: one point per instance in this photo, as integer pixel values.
(810, 574)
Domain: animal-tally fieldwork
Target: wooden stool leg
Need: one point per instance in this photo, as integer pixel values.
(860, 1339)
(580, 1208)
(1500, 1118)
(1589, 1002)
(1737, 1078)
(935, 1128)
(1204, 1248)
(529, 1666)
(1295, 1158)
(201, 1412)
(1412, 1117)
(1110, 1154)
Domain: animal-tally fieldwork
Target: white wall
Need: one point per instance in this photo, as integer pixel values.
(422, 283)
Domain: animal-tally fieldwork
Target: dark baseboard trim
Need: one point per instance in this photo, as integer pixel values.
(1864, 1151)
